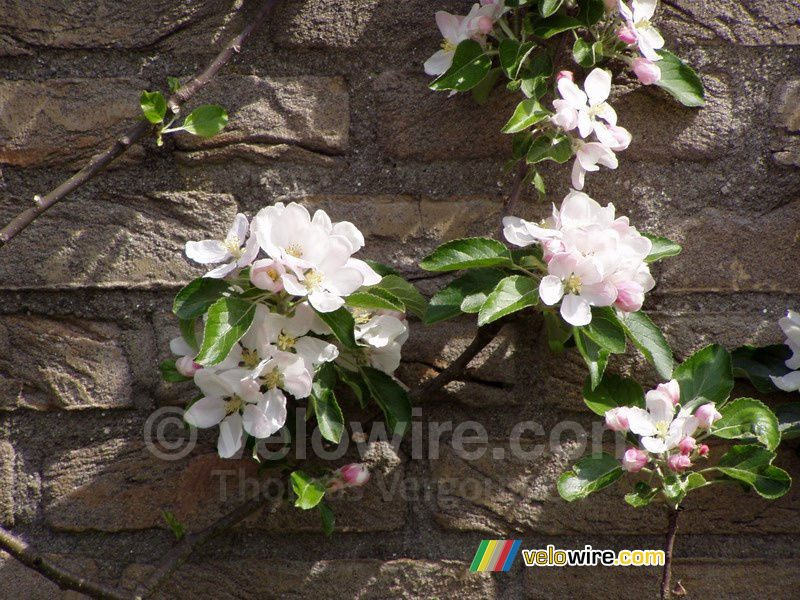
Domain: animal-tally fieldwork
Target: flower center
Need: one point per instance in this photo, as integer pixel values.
(313, 279)
(285, 342)
(643, 24)
(361, 316)
(448, 46)
(295, 250)
(273, 379)
(233, 404)
(249, 358)
(272, 274)
(573, 284)
(233, 246)
(662, 429)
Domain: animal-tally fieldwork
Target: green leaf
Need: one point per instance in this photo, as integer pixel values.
(590, 474)
(327, 516)
(408, 294)
(554, 25)
(342, 325)
(534, 87)
(540, 65)
(520, 144)
(178, 528)
(308, 490)
(528, 112)
(154, 106)
(591, 11)
(558, 332)
(674, 489)
(174, 84)
(706, 376)
(470, 66)
(228, 320)
(662, 248)
(380, 268)
(641, 495)
(694, 481)
(606, 330)
(188, 329)
(558, 149)
(649, 340)
(748, 418)
(170, 374)
(680, 80)
(583, 53)
(375, 298)
(391, 397)
(356, 383)
(206, 121)
(510, 295)
(481, 92)
(595, 357)
(548, 8)
(467, 253)
(471, 288)
(789, 420)
(513, 55)
(198, 296)
(753, 465)
(758, 364)
(538, 184)
(611, 392)
(322, 402)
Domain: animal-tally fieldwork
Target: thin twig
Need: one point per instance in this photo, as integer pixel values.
(482, 339)
(513, 197)
(188, 545)
(99, 163)
(672, 528)
(65, 579)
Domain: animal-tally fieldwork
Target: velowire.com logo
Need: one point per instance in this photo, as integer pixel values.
(495, 555)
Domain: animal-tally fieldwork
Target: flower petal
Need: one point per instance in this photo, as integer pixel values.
(206, 412)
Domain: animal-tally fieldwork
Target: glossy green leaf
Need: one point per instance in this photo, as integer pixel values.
(327, 517)
(391, 397)
(228, 320)
(308, 491)
(680, 80)
(753, 465)
(534, 87)
(662, 248)
(188, 329)
(206, 121)
(594, 355)
(375, 298)
(591, 11)
(706, 376)
(342, 325)
(789, 420)
(154, 106)
(548, 8)
(583, 53)
(470, 66)
(482, 91)
(322, 402)
(198, 296)
(748, 418)
(406, 292)
(649, 340)
(547, 28)
(169, 373)
(558, 332)
(606, 330)
(590, 474)
(510, 295)
(641, 495)
(611, 392)
(467, 253)
(759, 363)
(558, 149)
(528, 113)
(471, 289)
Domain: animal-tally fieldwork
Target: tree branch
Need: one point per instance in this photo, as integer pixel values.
(99, 163)
(672, 529)
(482, 339)
(65, 579)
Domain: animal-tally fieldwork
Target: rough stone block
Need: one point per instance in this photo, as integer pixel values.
(64, 121)
(62, 363)
(7, 459)
(115, 240)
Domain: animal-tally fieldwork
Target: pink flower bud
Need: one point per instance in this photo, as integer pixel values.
(687, 445)
(565, 75)
(672, 389)
(702, 450)
(352, 475)
(634, 460)
(647, 71)
(186, 366)
(630, 296)
(482, 24)
(626, 35)
(617, 419)
(678, 462)
(707, 415)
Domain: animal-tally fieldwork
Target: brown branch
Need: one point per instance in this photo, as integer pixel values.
(482, 339)
(189, 544)
(65, 579)
(672, 529)
(99, 163)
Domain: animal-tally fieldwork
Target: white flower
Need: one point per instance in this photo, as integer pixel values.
(790, 325)
(454, 32)
(230, 249)
(587, 157)
(661, 430)
(381, 336)
(579, 281)
(647, 37)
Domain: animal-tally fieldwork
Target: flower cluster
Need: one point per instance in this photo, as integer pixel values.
(588, 112)
(593, 258)
(308, 270)
(790, 324)
(666, 438)
(638, 31)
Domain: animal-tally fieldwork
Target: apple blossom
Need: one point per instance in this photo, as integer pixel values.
(587, 157)
(669, 392)
(702, 450)
(455, 29)
(267, 274)
(687, 445)
(660, 429)
(678, 462)
(634, 460)
(617, 419)
(381, 336)
(790, 325)
(646, 70)
(351, 475)
(646, 36)
(232, 249)
(185, 365)
(626, 35)
(707, 415)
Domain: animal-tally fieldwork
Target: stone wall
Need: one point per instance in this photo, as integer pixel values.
(329, 106)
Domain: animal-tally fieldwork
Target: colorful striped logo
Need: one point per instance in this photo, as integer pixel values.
(495, 555)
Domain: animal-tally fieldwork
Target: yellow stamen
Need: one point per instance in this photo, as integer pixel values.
(295, 250)
(573, 284)
(273, 379)
(285, 342)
